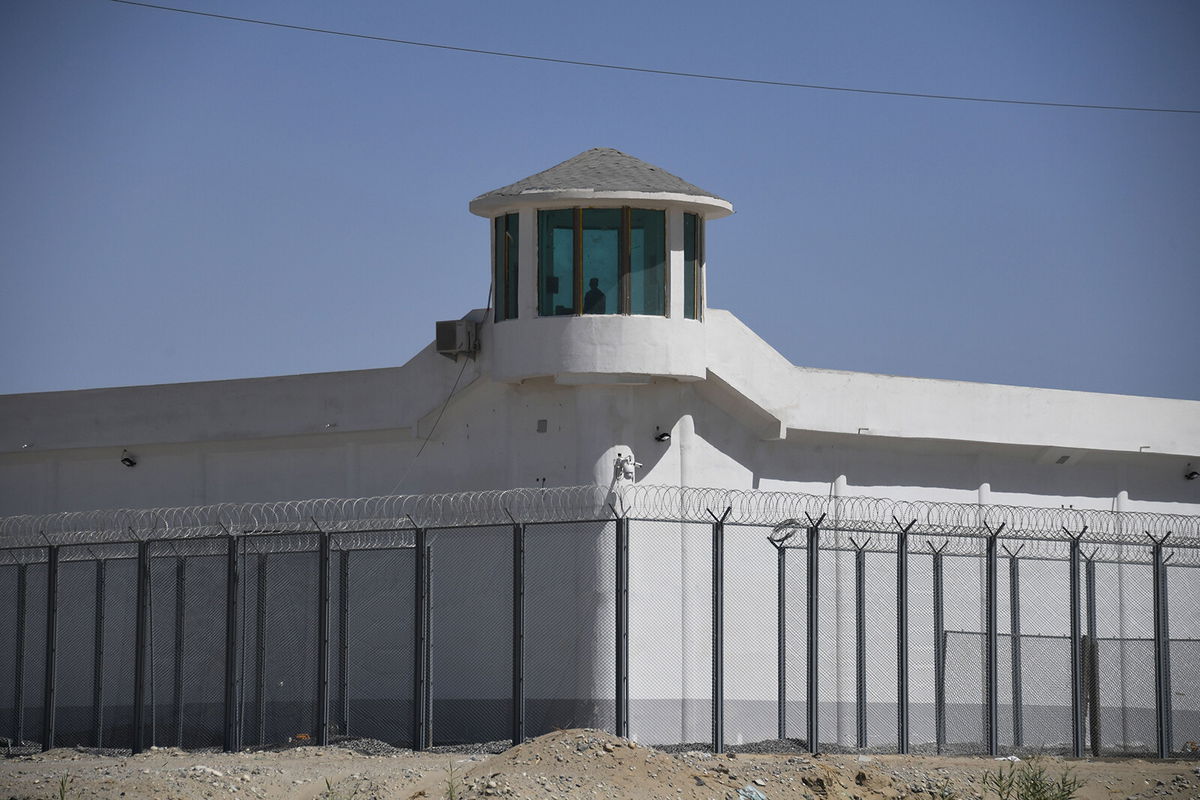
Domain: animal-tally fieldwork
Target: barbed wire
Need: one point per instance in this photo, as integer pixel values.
(776, 509)
(874, 514)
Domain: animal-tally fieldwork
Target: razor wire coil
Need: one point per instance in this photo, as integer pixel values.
(1042, 530)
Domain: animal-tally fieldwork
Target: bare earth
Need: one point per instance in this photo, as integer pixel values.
(564, 764)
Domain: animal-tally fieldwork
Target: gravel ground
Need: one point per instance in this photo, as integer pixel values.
(561, 765)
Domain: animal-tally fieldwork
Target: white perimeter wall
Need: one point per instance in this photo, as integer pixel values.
(755, 422)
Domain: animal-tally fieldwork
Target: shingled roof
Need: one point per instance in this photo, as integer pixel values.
(601, 169)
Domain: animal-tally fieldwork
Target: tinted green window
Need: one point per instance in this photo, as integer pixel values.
(556, 262)
(513, 260)
(691, 266)
(504, 264)
(647, 262)
(601, 260)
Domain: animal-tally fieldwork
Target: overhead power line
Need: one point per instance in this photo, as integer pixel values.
(651, 71)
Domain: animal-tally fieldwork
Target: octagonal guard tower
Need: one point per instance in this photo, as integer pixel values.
(598, 272)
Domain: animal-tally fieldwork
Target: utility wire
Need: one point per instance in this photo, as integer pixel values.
(433, 428)
(651, 71)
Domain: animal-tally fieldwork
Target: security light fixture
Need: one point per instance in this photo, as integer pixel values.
(127, 459)
(662, 436)
(1190, 473)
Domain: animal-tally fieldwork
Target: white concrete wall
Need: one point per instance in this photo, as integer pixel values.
(754, 421)
(921, 408)
(743, 417)
(598, 349)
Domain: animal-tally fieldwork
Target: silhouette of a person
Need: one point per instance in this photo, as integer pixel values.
(594, 301)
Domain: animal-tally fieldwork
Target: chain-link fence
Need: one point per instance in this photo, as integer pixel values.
(693, 629)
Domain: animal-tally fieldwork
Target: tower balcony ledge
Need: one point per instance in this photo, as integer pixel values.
(614, 348)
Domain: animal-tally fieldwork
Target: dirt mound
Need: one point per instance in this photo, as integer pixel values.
(565, 764)
(594, 764)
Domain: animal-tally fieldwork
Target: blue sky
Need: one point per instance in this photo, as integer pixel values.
(191, 199)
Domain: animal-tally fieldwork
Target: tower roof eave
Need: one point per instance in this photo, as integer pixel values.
(490, 205)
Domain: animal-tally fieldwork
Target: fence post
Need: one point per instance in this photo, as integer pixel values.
(231, 743)
(49, 710)
(622, 569)
(98, 655)
(991, 688)
(1077, 734)
(781, 625)
(323, 641)
(344, 641)
(141, 641)
(260, 649)
(19, 676)
(1162, 650)
(902, 635)
(860, 636)
(518, 631)
(718, 631)
(1090, 660)
(814, 566)
(421, 642)
(180, 623)
(429, 676)
(1014, 613)
(939, 648)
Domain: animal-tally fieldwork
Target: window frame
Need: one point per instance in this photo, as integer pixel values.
(624, 266)
(506, 296)
(696, 272)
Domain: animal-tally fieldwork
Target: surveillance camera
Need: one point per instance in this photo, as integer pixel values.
(127, 459)
(626, 467)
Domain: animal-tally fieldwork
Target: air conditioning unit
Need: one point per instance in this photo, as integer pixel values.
(455, 336)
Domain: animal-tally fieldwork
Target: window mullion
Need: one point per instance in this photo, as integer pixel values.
(578, 258)
(511, 261)
(665, 255)
(700, 265)
(503, 305)
(623, 266)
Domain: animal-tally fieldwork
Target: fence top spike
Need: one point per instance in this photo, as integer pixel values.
(782, 532)
(1075, 537)
(1158, 540)
(1012, 553)
(863, 546)
(724, 515)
